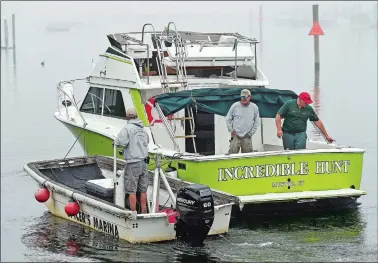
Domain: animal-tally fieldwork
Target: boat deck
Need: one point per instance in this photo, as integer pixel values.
(75, 172)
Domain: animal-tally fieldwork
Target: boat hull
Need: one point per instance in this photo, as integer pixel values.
(142, 230)
(92, 143)
(118, 222)
(284, 183)
(252, 178)
(299, 207)
(277, 173)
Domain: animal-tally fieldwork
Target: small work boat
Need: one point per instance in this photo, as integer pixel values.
(90, 191)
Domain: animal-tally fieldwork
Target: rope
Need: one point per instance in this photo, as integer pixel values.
(194, 101)
(166, 202)
(75, 141)
(75, 103)
(85, 124)
(56, 176)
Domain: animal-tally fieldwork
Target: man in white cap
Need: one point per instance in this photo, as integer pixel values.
(134, 139)
(242, 121)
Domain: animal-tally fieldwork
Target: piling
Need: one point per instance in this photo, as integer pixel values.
(316, 98)
(260, 30)
(317, 78)
(315, 18)
(251, 22)
(14, 31)
(6, 40)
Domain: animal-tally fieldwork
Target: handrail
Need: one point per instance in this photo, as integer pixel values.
(319, 132)
(256, 62)
(194, 34)
(175, 30)
(180, 43)
(165, 121)
(148, 49)
(153, 28)
(180, 51)
(236, 58)
(73, 102)
(80, 197)
(158, 47)
(176, 41)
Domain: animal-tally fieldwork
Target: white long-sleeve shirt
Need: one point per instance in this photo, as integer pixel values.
(244, 120)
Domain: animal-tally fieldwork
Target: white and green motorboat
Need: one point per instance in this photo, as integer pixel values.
(182, 85)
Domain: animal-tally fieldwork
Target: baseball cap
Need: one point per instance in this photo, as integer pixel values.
(245, 92)
(131, 112)
(305, 97)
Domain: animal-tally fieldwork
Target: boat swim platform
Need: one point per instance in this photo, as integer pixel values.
(299, 196)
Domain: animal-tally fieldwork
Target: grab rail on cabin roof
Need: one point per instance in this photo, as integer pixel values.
(207, 42)
(126, 36)
(181, 40)
(73, 99)
(168, 31)
(181, 56)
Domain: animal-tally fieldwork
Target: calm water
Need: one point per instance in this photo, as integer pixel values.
(346, 101)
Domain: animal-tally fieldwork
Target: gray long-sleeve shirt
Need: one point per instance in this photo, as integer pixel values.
(244, 120)
(135, 141)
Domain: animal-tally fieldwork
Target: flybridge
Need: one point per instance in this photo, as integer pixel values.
(188, 37)
(199, 46)
(182, 53)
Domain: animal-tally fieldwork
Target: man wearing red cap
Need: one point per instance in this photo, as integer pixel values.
(295, 114)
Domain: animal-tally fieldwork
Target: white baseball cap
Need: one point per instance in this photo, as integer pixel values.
(245, 92)
(131, 112)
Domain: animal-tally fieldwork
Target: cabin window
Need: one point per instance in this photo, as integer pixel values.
(93, 101)
(114, 106)
(209, 72)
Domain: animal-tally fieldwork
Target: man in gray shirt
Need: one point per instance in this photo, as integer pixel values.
(242, 121)
(134, 139)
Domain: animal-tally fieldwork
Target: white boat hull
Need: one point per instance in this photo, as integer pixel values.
(145, 228)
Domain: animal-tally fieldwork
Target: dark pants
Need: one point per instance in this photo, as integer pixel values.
(294, 141)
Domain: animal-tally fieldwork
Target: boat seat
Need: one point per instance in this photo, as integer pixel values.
(101, 188)
(104, 189)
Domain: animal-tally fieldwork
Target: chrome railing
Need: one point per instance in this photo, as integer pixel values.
(73, 101)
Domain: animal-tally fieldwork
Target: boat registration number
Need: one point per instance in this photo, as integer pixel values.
(288, 184)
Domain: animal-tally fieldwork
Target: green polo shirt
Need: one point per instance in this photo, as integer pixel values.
(295, 118)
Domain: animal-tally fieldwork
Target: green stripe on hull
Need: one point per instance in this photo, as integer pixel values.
(93, 143)
(97, 144)
(117, 58)
(139, 106)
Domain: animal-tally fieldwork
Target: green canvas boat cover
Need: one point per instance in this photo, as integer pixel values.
(219, 100)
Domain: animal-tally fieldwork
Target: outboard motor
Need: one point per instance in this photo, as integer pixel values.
(195, 205)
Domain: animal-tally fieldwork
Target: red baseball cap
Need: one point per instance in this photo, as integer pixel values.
(305, 97)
